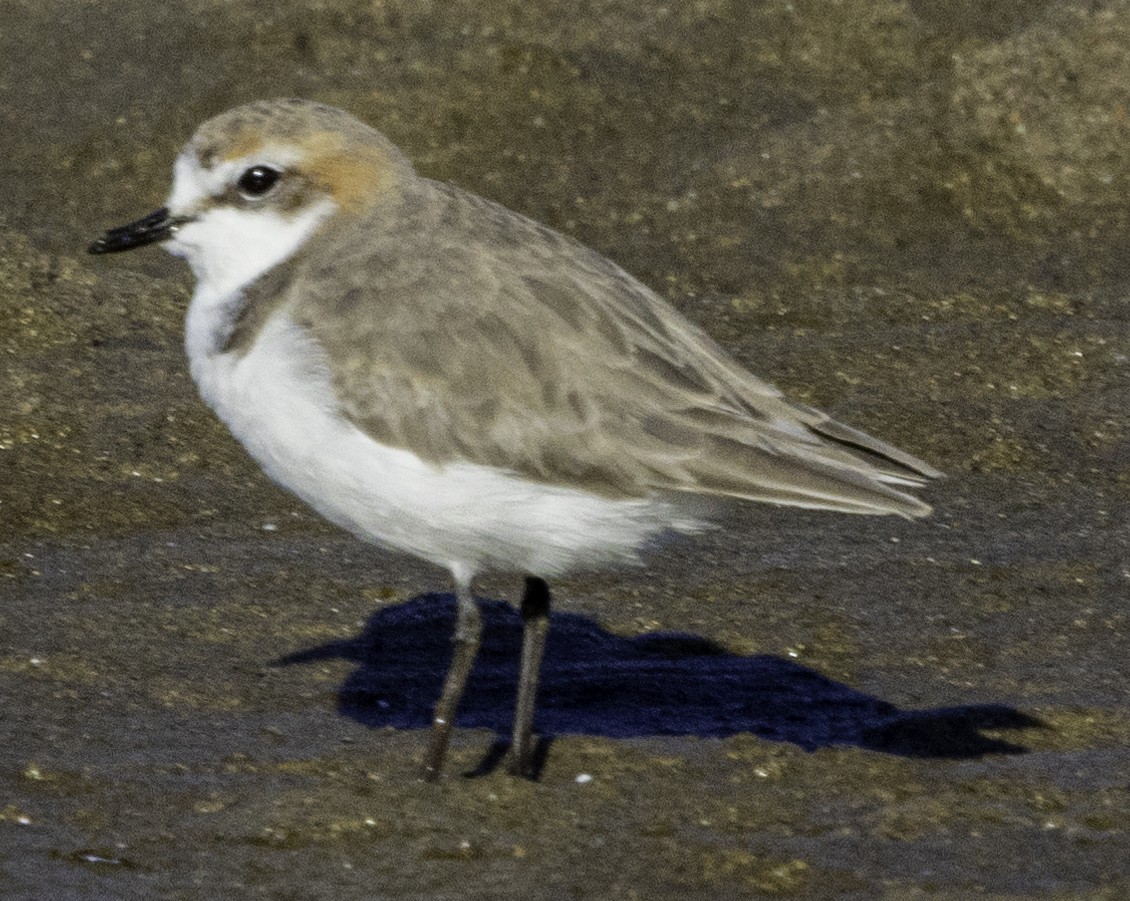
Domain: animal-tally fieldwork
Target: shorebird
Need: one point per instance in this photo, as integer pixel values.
(445, 377)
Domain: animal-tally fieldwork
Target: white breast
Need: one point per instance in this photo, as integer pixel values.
(278, 400)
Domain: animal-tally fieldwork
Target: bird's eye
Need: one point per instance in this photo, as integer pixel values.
(257, 181)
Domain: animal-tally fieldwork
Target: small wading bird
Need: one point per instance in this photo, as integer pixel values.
(442, 376)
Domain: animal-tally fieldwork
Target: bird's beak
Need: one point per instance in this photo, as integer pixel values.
(157, 226)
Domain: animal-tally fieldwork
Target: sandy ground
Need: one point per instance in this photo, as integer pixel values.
(913, 215)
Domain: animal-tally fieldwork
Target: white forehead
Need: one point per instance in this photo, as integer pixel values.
(194, 184)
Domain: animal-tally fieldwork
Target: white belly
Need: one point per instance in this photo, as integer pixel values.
(278, 400)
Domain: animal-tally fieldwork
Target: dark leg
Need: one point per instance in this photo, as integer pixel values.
(468, 628)
(535, 621)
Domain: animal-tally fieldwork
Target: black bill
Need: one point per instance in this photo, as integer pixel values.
(157, 226)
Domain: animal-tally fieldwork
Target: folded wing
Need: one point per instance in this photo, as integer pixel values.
(526, 351)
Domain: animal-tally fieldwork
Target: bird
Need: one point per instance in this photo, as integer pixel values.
(445, 377)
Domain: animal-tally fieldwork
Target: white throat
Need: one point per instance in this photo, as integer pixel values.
(228, 248)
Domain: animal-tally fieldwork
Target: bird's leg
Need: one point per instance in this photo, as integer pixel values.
(468, 629)
(535, 623)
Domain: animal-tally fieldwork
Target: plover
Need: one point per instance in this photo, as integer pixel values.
(445, 377)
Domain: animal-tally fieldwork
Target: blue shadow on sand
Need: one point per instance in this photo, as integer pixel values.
(596, 683)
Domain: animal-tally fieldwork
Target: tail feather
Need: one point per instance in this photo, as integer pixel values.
(817, 476)
(911, 471)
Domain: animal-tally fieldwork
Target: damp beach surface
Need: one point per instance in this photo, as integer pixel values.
(911, 215)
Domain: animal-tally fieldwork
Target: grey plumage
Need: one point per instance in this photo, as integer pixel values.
(517, 347)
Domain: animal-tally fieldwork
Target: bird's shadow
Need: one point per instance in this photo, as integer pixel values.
(597, 683)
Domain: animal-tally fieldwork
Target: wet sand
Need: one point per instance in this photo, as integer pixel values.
(912, 215)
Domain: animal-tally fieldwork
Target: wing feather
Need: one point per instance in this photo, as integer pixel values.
(516, 347)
